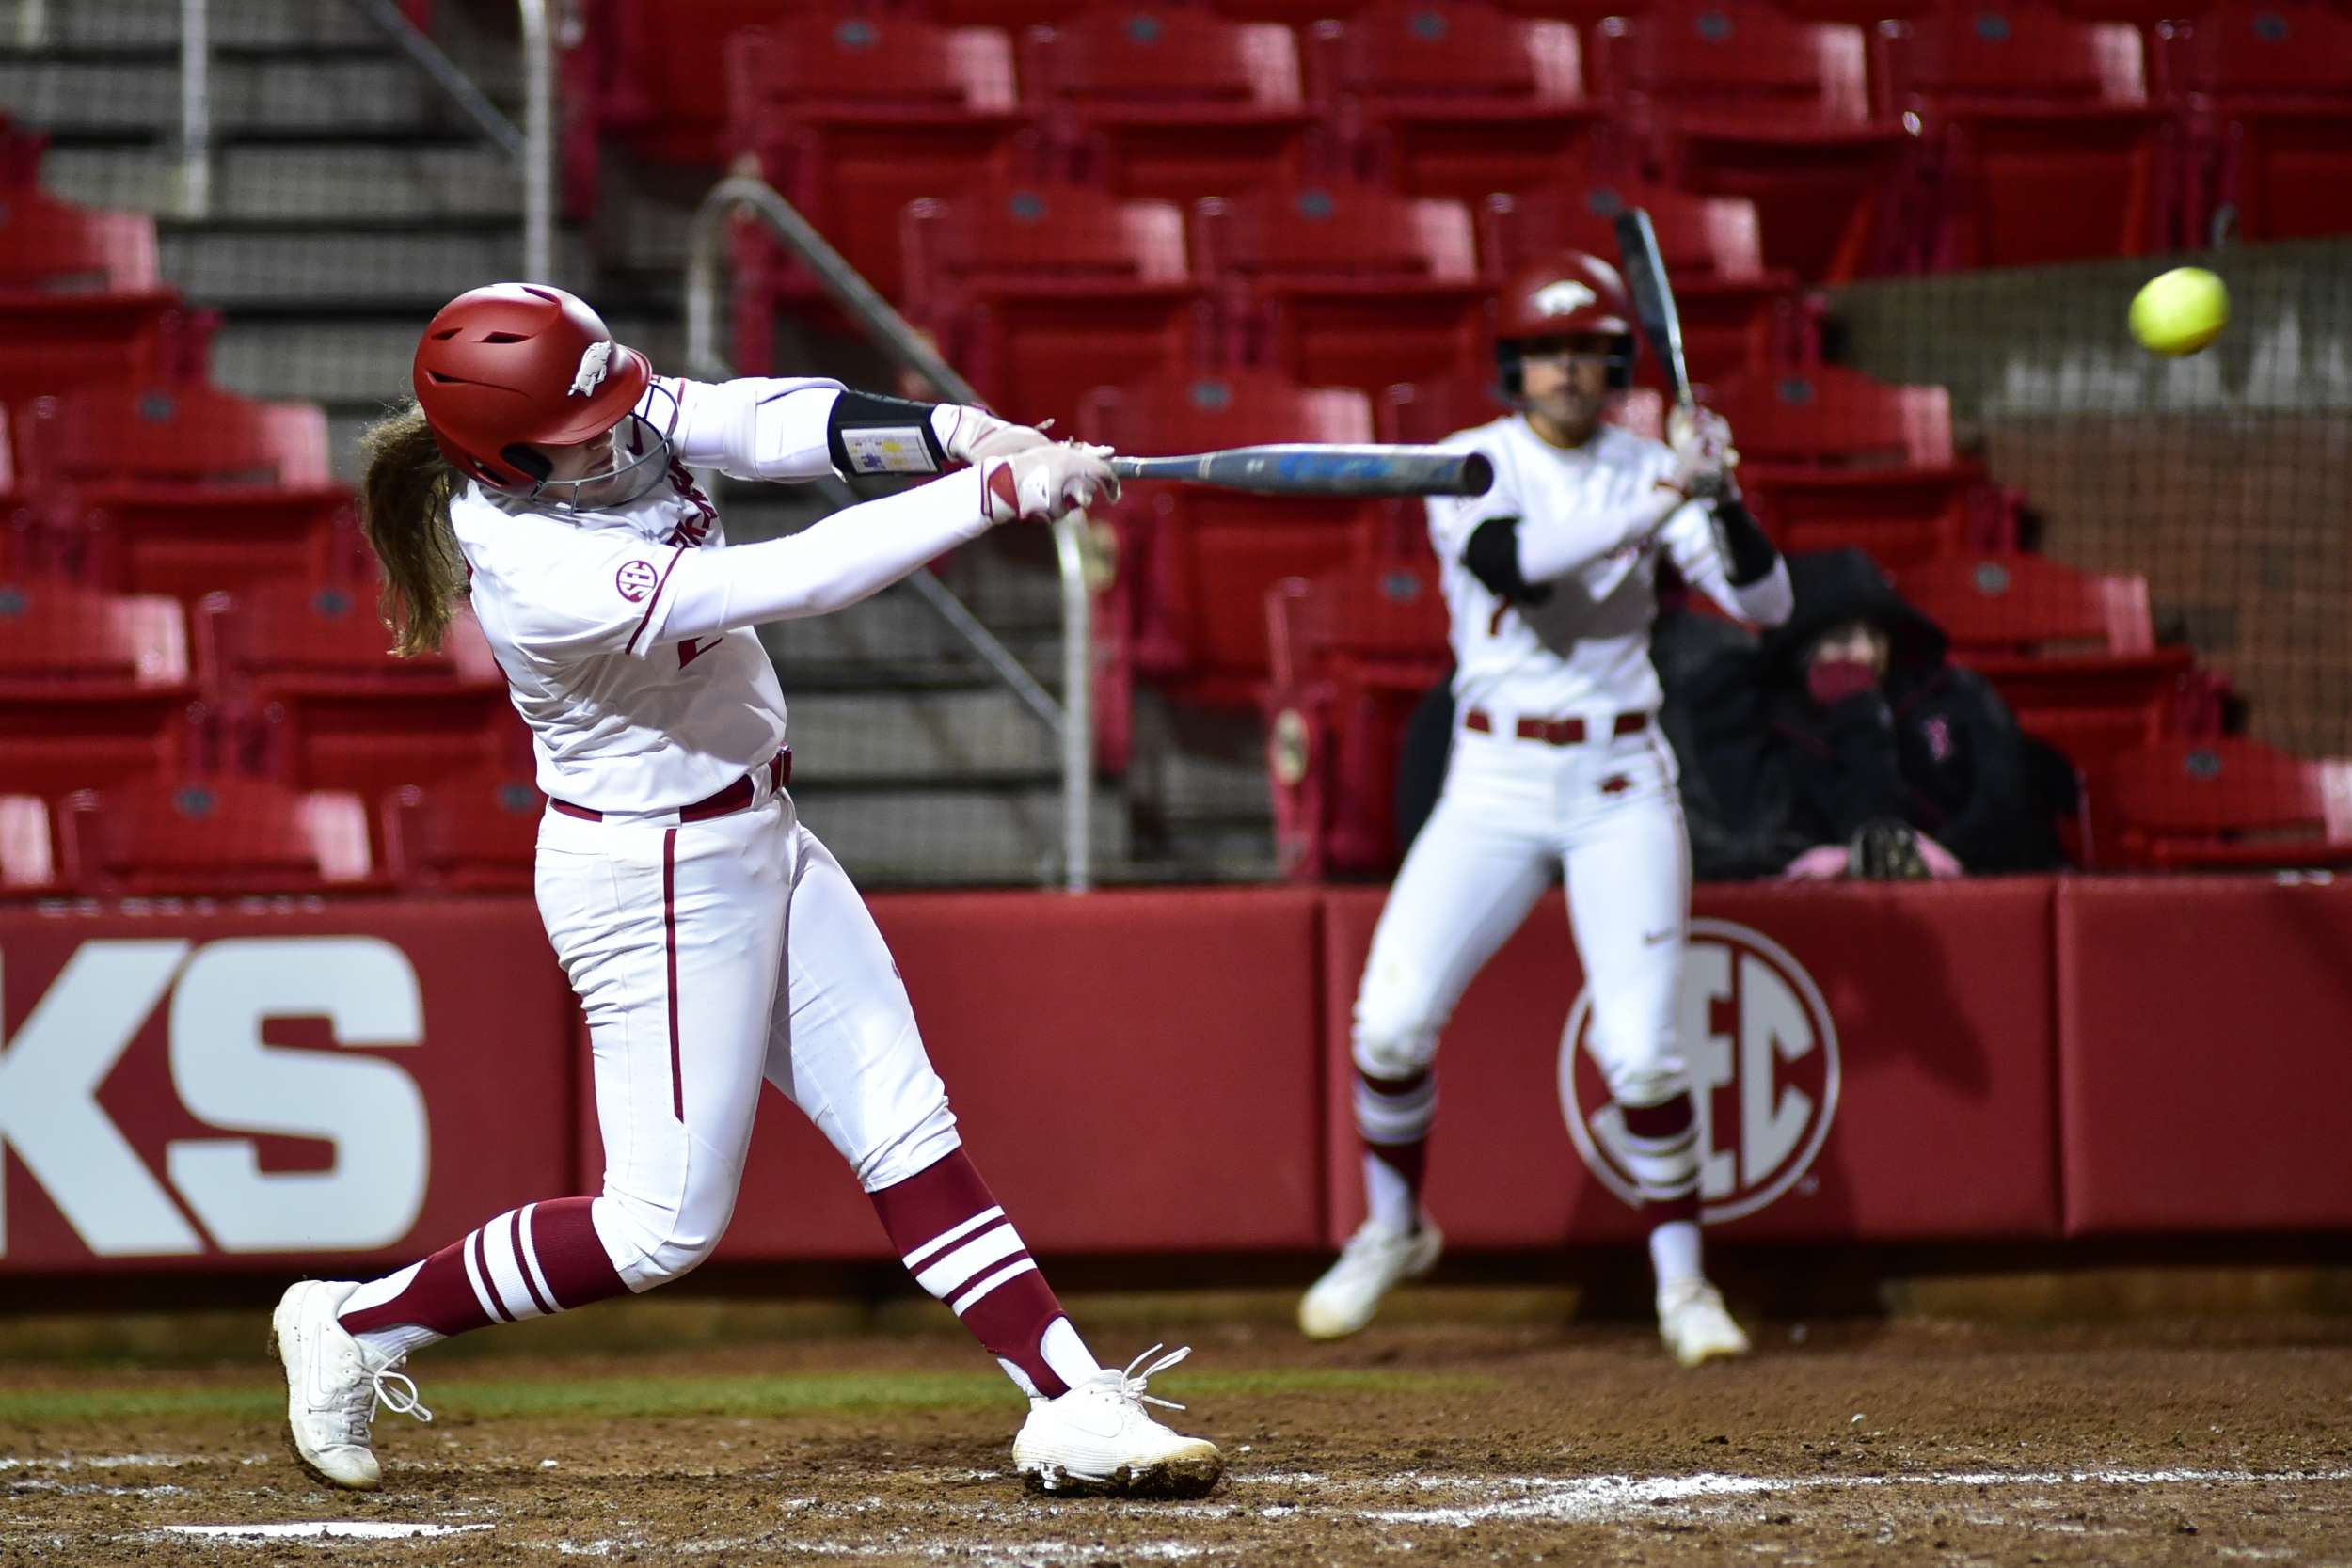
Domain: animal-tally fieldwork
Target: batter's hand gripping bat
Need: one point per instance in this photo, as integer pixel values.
(1323, 470)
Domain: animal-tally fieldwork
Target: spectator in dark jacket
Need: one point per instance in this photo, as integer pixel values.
(1736, 804)
(1876, 733)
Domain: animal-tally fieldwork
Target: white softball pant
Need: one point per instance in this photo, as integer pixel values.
(711, 955)
(1606, 810)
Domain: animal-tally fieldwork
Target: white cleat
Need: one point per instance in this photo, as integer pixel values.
(333, 1386)
(1098, 1440)
(1692, 1321)
(1372, 1263)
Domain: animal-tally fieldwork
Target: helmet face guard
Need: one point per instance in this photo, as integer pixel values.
(1511, 366)
(643, 453)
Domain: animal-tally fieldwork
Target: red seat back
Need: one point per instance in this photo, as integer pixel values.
(2020, 603)
(1420, 412)
(1726, 61)
(221, 836)
(28, 858)
(2224, 801)
(1824, 416)
(2005, 54)
(2273, 102)
(178, 437)
(2267, 49)
(1234, 408)
(94, 689)
(477, 831)
(53, 248)
(1174, 105)
(53, 631)
(1699, 237)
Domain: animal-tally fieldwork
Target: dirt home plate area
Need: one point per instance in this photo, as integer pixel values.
(1436, 1441)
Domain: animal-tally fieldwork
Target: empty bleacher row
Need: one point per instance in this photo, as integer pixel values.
(196, 694)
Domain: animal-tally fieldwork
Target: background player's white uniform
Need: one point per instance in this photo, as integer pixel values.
(1556, 761)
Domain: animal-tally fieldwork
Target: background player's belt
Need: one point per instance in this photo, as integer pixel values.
(1556, 732)
(732, 798)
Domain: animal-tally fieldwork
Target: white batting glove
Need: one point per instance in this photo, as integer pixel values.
(1047, 481)
(1704, 459)
(976, 434)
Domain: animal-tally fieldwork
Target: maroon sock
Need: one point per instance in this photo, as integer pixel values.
(953, 1237)
(1661, 1147)
(526, 1263)
(1392, 1117)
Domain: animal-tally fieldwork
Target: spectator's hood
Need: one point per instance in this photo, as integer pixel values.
(1835, 586)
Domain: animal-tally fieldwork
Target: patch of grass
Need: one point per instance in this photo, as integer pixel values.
(626, 1398)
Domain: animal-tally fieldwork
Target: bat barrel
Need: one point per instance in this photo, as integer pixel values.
(1304, 469)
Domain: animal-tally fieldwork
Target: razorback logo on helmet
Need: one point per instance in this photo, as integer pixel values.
(1762, 1049)
(635, 579)
(1564, 298)
(594, 362)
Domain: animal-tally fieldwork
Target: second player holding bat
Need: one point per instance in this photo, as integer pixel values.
(1306, 469)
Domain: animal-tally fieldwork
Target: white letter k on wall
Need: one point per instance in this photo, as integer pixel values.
(49, 1111)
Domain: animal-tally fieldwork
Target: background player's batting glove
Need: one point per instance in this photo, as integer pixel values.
(1704, 458)
(1047, 481)
(978, 434)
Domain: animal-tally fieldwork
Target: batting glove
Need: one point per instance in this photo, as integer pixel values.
(977, 434)
(1045, 482)
(1700, 439)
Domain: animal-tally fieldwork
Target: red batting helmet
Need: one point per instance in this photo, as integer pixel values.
(1567, 295)
(519, 364)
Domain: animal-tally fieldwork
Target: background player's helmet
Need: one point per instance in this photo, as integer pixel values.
(517, 363)
(1567, 293)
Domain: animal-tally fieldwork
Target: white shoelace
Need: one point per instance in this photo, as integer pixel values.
(395, 1391)
(1129, 1384)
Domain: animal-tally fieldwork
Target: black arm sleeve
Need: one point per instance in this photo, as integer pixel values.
(869, 433)
(1492, 555)
(1747, 554)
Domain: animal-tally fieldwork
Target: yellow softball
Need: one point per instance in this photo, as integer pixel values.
(2179, 311)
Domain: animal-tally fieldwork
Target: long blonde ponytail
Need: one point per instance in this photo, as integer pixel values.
(403, 508)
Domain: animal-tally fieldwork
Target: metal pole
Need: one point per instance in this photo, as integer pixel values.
(539, 144)
(1073, 718)
(195, 109)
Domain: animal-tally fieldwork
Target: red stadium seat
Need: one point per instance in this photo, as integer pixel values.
(476, 832)
(2041, 143)
(2073, 653)
(313, 696)
(1737, 99)
(94, 689)
(80, 296)
(2270, 97)
(2221, 803)
(1454, 98)
(1354, 649)
(1169, 104)
(186, 489)
(28, 858)
(1038, 291)
(1736, 313)
(1187, 606)
(1344, 285)
(852, 118)
(1830, 457)
(652, 73)
(219, 837)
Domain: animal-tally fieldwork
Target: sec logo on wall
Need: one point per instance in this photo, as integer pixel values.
(1762, 1049)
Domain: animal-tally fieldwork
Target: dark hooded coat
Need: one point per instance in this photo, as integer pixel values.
(1931, 745)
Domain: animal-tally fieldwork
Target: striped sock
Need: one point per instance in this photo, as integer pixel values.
(1662, 1154)
(1392, 1117)
(528, 1262)
(953, 1237)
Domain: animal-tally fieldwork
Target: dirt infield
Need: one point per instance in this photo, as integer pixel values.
(2219, 1443)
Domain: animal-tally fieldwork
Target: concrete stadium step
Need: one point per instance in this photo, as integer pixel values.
(305, 270)
(930, 837)
(982, 733)
(360, 360)
(893, 641)
(119, 23)
(325, 182)
(276, 94)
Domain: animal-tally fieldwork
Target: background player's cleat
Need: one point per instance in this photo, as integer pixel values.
(1694, 1322)
(1098, 1440)
(1372, 1263)
(333, 1384)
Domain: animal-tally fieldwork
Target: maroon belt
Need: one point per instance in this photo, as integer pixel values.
(732, 798)
(1557, 732)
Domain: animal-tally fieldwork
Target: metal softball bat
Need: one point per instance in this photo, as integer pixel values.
(1304, 469)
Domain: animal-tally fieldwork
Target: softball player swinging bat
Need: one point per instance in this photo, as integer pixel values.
(1557, 760)
(542, 473)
